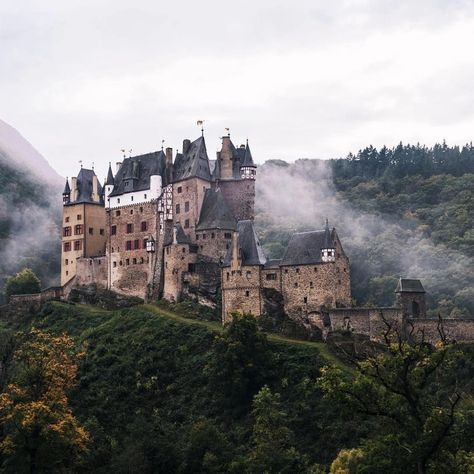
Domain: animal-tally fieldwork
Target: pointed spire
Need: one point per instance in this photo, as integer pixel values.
(110, 176)
(67, 189)
(248, 160)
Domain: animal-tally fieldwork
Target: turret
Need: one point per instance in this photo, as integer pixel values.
(328, 251)
(109, 183)
(411, 297)
(67, 193)
(248, 170)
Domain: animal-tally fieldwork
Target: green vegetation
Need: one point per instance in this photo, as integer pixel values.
(23, 283)
(159, 392)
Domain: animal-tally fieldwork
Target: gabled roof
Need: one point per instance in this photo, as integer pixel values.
(251, 251)
(305, 248)
(407, 285)
(194, 163)
(215, 213)
(85, 187)
(110, 177)
(181, 237)
(136, 171)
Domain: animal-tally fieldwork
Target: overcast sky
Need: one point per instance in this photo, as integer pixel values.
(81, 79)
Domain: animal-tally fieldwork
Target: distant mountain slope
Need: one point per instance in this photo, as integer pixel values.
(30, 198)
(17, 152)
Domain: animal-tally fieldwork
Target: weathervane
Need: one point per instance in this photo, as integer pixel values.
(162, 143)
(227, 129)
(92, 166)
(80, 162)
(123, 152)
(200, 123)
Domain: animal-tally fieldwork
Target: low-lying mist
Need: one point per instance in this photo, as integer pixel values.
(381, 248)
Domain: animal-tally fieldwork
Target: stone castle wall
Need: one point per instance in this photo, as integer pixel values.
(214, 243)
(131, 269)
(240, 197)
(92, 270)
(178, 261)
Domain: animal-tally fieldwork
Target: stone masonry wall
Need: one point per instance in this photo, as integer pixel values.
(189, 195)
(240, 197)
(214, 243)
(177, 259)
(131, 270)
(241, 291)
(92, 270)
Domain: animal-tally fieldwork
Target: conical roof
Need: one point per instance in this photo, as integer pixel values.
(67, 189)
(110, 177)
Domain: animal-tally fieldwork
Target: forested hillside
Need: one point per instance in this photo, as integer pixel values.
(29, 225)
(406, 211)
(144, 390)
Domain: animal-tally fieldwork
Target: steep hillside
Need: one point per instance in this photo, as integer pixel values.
(30, 193)
(412, 217)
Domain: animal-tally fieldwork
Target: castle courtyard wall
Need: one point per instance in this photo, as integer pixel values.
(92, 270)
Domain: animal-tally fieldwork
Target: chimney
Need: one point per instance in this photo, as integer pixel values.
(73, 189)
(95, 189)
(235, 250)
(118, 164)
(186, 145)
(169, 156)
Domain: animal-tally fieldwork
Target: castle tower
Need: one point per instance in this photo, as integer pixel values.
(411, 297)
(328, 250)
(83, 220)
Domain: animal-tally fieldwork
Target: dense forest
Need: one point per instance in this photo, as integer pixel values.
(145, 390)
(406, 211)
(29, 225)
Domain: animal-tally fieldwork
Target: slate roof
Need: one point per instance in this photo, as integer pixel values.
(250, 249)
(110, 177)
(193, 163)
(215, 213)
(247, 160)
(136, 171)
(408, 285)
(67, 189)
(273, 263)
(85, 187)
(305, 248)
(181, 237)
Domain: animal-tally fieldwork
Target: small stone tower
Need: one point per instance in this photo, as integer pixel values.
(411, 298)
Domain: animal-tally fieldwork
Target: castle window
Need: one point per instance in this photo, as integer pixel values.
(67, 273)
(186, 224)
(177, 208)
(167, 250)
(79, 217)
(78, 245)
(91, 231)
(305, 299)
(136, 245)
(247, 293)
(144, 243)
(142, 260)
(66, 219)
(134, 261)
(144, 197)
(213, 235)
(271, 276)
(129, 228)
(296, 284)
(66, 261)
(197, 236)
(141, 208)
(286, 270)
(90, 262)
(203, 236)
(120, 263)
(131, 199)
(180, 189)
(115, 264)
(127, 261)
(67, 246)
(248, 274)
(315, 269)
(227, 235)
(345, 270)
(311, 284)
(297, 270)
(78, 229)
(184, 249)
(338, 282)
(128, 245)
(228, 276)
(131, 210)
(67, 231)
(186, 206)
(118, 200)
(144, 226)
(113, 230)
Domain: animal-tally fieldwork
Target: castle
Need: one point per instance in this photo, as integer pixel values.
(177, 227)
